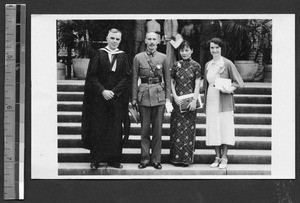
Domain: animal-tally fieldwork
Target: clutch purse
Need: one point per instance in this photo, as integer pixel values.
(221, 83)
(187, 98)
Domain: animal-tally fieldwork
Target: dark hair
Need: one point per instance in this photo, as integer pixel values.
(185, 43)
(217, 41)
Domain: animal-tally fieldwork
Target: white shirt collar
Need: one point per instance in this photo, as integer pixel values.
(219, 62)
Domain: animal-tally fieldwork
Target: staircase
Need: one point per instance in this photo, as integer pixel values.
(251, 154)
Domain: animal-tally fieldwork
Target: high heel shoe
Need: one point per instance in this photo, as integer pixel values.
(216, 162)
(223, 163)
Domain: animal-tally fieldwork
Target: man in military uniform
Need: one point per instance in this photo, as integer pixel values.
(151, 96)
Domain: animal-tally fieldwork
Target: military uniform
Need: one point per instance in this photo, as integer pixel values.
(151, 97)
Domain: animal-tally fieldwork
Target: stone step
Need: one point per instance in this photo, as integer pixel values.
(239, 98)
(251, 154)
(264, 119)
(250, 88)
(240, 108)
(240, 130)
(134, 141)
(168, 169)
(201, 156)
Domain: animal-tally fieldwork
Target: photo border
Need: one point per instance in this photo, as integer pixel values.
(44, 95)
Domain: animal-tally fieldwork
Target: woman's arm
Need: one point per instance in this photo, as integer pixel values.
(197, 88)
(235, 76)
(173, 87)
(192, 105)
(176, 99)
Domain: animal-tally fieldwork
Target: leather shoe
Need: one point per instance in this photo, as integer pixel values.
(115, 165)
(157, 165)
(142, 165)
(94, 165)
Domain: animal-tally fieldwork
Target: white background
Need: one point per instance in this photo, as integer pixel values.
(44, 94)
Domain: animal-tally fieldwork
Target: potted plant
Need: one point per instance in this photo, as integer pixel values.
(82, 55)
(260, 34)
(237, 47)
(74, 35)
(66, 41)
(266, 47)
(245, 42)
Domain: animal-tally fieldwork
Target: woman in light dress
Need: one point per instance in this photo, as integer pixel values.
(219, 102)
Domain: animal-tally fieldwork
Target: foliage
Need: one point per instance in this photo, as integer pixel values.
(248, 39)
(261, 39)
(245, 39)
(74, 34)
(87, 35)
(236, 39)
(65, 34)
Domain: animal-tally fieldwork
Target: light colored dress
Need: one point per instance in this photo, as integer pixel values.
(219, 125)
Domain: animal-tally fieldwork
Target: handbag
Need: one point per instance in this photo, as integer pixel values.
(188, 98)
(221, 83)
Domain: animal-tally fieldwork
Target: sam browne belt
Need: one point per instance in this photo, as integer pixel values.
(151, 80)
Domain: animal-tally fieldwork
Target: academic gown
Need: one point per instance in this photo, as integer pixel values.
(104, 122)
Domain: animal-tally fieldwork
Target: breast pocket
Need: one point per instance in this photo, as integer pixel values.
(143, 71)
(159, 72)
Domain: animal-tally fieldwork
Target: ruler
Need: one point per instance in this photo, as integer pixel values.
(14, 99)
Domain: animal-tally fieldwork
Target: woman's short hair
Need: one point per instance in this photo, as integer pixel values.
(184, 44)
(217, 41)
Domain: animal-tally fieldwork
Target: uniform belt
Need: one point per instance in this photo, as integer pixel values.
(151, 80)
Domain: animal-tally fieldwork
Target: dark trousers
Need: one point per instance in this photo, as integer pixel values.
(153, 115)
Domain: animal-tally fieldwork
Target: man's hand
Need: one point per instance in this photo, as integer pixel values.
(107, 94)
(192, 105)
(134, 105)
(169, 107)
(228, 90)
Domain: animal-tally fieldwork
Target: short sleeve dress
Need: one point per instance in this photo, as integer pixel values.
(183, 125)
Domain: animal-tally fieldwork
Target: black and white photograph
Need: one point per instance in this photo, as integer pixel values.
(162, 97)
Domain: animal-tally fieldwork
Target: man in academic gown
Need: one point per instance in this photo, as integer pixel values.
(105, 103)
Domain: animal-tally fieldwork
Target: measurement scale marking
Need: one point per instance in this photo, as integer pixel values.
(14, 112)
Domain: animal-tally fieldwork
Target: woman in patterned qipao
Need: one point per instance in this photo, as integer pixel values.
(185, 79)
